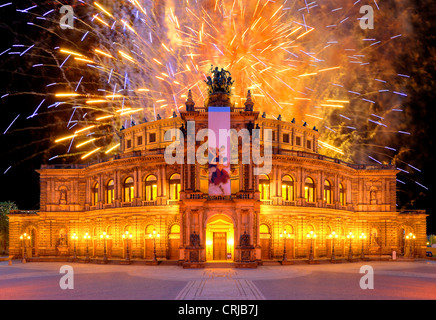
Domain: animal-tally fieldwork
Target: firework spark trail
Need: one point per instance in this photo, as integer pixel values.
(131, 60)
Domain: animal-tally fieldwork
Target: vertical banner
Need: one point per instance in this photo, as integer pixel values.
(219, 150)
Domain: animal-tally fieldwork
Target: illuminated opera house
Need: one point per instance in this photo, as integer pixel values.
(140, 206)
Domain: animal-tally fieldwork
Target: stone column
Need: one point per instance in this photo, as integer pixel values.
(273, 184)
(99, 204)
(140, 186)
(251, 226)
(197, 177)
(88, 191)
(164, 181)
(250, 177)
(117, 189)
(189, 187)
(182, 178)
(241, 176)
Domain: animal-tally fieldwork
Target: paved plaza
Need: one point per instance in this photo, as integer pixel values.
(392, 280)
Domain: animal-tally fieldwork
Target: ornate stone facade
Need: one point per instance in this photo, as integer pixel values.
(138, 191)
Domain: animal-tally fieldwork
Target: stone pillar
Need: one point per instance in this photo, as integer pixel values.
(117, 189)
(164, 181)
(241, 176)
(251, 226)
(197, 177)
(182, 177)
(189, 187)
(139, 186)
(202, 233)
(87, 191)
(273, 184)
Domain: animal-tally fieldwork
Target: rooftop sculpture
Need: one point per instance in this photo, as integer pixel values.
(220, 82)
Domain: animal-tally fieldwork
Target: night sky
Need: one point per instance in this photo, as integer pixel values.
(29, 141)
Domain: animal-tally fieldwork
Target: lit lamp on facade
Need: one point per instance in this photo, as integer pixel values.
(126, 236)
(411, 237)
(153, 236)
(362, 237)
(23, 239)
(86, 237)
(104, 237)
(74, 238)
(333, 236)
(209, 245)
(350, 236)
(311, 235)
(285, 235)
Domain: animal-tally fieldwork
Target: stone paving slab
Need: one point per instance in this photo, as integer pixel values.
(220, 285)
(393, 280)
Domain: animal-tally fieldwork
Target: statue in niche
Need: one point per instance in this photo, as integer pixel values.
(63, 196)
(63, 238)
(244, 240)
(195, 240)
(374, 240)
(373, 196)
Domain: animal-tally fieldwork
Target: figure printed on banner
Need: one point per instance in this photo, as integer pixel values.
(219, 171)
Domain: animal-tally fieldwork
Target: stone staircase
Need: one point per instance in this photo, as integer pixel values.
(219, 265)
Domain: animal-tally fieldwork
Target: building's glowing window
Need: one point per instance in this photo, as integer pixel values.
(327, 192)
(150, 188)
(286, 138)
(288, 188)
(95, 194)
(298, 141)
(309, 190)
(110, 192)
(264, 187)
(175, 187)
(342, 195)
(129, 190)
(152, 137)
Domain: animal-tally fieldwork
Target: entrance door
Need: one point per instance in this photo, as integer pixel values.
(148, 254)
(265, 252)
(219, 245)
(174, 249)
(109, 248)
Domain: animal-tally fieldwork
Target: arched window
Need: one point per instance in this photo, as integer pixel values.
(265, 242)
(309, 190)
(128, 190)
(175, 187)
(150, 190)
(95, 194)
(264, 187)
(328, 192)
(288, 188)
(342, 195)
(110, 191)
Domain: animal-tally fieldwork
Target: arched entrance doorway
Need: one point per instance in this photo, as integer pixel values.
(148, 242)
(127, 241)
(220, 239)
(174, 242)
(405, 242)
(289, 240)
(265, 242)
